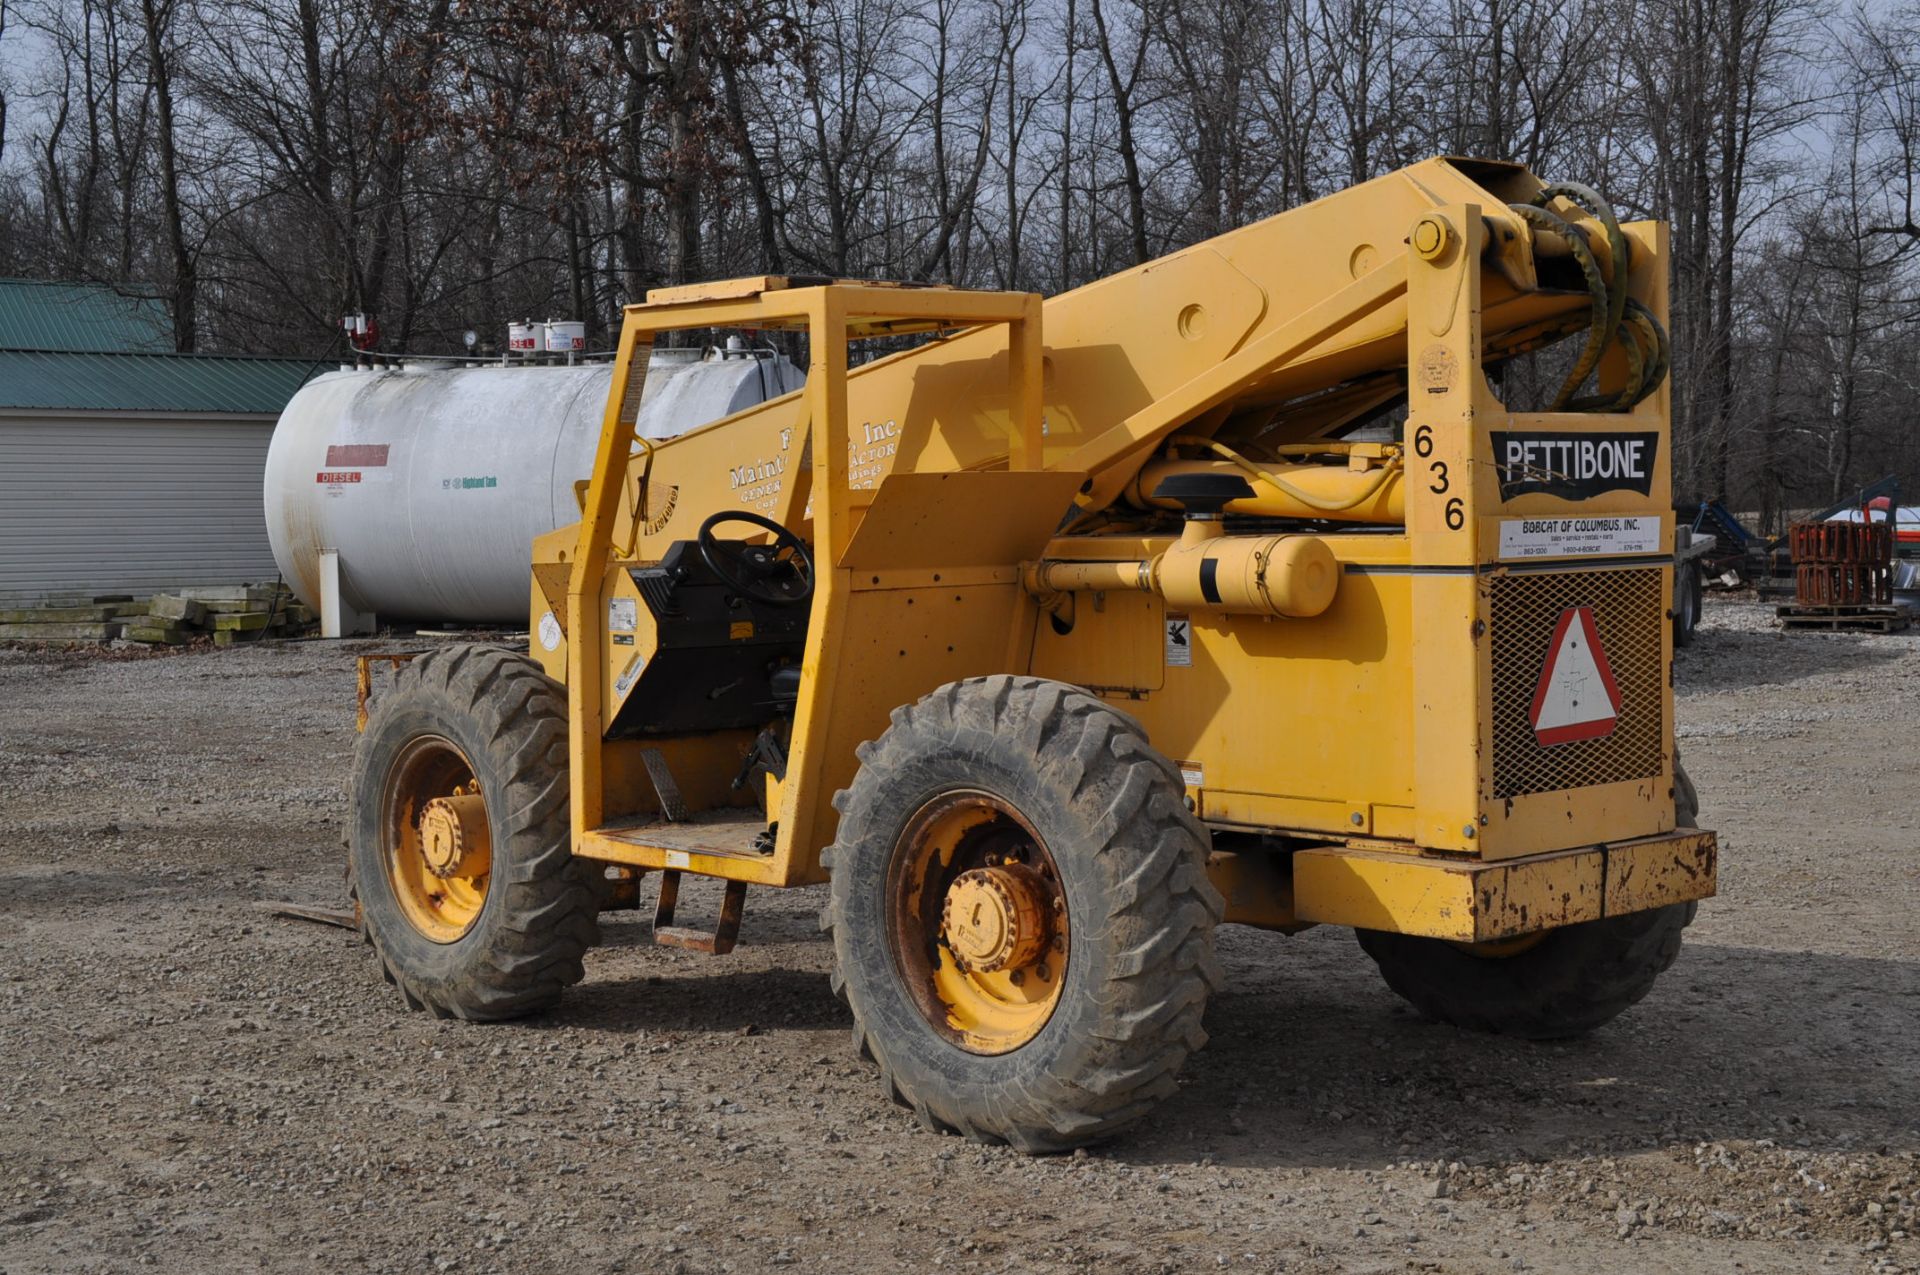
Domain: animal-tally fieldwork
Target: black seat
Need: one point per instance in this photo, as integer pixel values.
(786, 684)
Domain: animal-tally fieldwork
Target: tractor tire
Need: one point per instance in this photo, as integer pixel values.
(1567, 983)
(1686, 798)
(494, 936)
(1063, 793)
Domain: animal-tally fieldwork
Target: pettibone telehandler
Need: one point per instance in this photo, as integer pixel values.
(1225, 589)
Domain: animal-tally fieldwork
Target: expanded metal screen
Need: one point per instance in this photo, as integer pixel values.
(1526, 608)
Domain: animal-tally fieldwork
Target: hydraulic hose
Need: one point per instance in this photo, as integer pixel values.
(1589, 198)
(1311, 501)
(1616, 316)
(1599, 331)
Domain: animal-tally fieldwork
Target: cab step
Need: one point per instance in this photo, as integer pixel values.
(724, 935)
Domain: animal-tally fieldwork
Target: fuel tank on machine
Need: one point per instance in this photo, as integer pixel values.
(431, 485)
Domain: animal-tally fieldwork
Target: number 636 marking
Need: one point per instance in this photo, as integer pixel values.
(1456, 513)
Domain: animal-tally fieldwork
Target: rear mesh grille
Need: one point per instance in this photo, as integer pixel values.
(1526, 607)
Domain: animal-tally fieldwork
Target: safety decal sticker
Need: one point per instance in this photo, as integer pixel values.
(1577, 697)
(628, 676)
(549, 632)
(357, 455)
(1179, 642)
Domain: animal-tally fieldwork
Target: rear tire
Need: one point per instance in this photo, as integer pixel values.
(471, 715)
(1569, 982)
(1103, 819)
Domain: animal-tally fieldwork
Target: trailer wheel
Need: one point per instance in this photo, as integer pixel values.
(459, 858)
(1688, 588)
(1020, 913)
(1544, 986)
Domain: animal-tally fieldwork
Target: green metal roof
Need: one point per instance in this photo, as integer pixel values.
(66, 381)
(37, 314)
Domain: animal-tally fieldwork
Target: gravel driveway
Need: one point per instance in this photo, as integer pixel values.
(189, 1084)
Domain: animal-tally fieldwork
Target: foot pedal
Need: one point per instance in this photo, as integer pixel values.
(672, 805)
(724, 935)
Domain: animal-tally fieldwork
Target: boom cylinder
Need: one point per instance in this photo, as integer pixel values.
(1292, 576)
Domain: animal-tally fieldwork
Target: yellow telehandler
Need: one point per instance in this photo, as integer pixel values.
(1224, 589)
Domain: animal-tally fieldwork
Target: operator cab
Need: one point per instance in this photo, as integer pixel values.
(724, 629)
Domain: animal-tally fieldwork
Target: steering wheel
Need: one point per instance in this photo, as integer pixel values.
(779, 574)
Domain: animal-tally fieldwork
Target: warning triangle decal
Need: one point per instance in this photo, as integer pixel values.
(1577, 698)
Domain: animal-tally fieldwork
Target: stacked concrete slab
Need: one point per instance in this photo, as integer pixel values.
(225, 613)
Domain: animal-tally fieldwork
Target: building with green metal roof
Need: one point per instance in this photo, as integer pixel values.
(42, 314)
(126, 468)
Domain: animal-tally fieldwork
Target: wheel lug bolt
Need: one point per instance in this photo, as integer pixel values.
(1018, 977)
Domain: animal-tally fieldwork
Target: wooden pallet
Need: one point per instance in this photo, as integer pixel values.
(1853, 619)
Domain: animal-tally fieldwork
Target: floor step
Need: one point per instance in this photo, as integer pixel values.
(729, 831)
(724, 936)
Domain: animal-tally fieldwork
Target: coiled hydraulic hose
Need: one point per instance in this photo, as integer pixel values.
(1616, 316)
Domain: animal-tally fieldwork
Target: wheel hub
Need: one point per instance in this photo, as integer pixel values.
(453, 835)
(995, 918)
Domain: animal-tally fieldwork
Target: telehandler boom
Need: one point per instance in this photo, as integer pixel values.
(1224, 589)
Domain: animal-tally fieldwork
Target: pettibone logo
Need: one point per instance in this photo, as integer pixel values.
(1573, 466)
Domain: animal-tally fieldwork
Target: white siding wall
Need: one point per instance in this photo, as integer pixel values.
(111, 503)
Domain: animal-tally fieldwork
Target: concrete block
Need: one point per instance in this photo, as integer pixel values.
(55, 615)
(63, 632)
(246, 621)
(231, 597)
(156, 633)
(166, 606)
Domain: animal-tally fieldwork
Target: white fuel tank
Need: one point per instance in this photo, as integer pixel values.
(431, 485)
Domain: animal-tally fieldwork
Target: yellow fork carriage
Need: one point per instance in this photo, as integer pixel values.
(1225, 589)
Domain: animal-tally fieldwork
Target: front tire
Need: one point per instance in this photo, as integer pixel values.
(1020, 913)
(460, 856)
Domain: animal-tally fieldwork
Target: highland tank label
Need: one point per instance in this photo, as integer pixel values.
(1577, 537)
(1573, 466)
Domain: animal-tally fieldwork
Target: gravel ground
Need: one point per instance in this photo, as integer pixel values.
(190, 1084)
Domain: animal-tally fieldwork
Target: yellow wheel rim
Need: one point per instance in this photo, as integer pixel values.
(977, 920)
(439, 853)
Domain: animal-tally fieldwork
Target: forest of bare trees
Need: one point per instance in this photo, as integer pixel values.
(265, 166)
